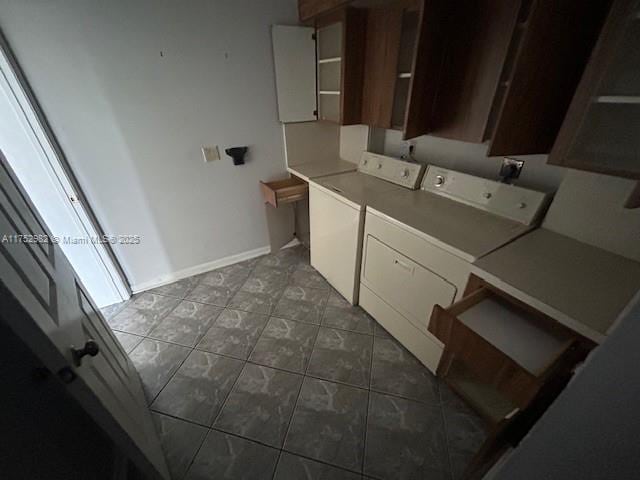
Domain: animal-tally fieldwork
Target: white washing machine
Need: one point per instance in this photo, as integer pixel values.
(418, 248)
(336, 215)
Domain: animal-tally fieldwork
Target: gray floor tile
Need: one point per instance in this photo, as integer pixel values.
(260, 404)
(285, 344)
(158, 305)
(234, 333)
(379, 331)
(465, 430)
(270, 275)
(111, 310)
(405, 439)
(396, 371)
(156, 363)
(128, 341)
(132, 320)
(342, 356)
(224, 456)
(309, 278)
(267, 286)
(286, 259)
(337, 300)
(328, 423)
(142, 314)
(231, 277)
(302, 304)
(197, 391)
(352, 318)
(212, 295)
(293, 467)
(253, 302)
(180, 441)
(177, 289)
(186, 324)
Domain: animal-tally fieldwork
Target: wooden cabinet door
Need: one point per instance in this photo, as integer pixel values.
(550, 49)
(384, 30)
(426, 67)
(601, 131)
(46, 305)
(308, 9)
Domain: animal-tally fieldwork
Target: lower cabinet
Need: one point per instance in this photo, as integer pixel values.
(335, 236)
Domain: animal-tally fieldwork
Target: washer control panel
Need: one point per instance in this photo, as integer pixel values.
(400, 172)
(516, 203)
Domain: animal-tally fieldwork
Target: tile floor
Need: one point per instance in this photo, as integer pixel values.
(259, 370)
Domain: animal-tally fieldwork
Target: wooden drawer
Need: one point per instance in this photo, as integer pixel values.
(283, 191)
(497, 354)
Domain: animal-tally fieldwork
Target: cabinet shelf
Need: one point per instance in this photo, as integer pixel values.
(329, 60)
(617, 99)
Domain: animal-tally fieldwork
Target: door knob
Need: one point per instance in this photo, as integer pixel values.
(90, 348)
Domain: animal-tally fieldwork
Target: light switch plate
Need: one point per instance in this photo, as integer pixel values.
(210, 153)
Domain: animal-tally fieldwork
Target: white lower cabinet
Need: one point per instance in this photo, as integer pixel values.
(335, 229)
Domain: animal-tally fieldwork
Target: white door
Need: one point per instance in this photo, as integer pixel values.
(294, 57)
(34, 161)
(46, 305)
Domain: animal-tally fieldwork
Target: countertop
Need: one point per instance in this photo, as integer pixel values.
(310, 170)
(583, 287)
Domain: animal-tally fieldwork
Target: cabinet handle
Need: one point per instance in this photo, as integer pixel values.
(403, 265)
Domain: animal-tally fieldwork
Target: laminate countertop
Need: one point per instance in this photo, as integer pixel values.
(583, 287)
(310, 170)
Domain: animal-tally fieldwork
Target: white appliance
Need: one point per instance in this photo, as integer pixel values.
(336, 215)
(418, 248)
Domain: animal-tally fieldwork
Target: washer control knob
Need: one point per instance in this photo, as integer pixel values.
(404, 173)
(364, 161)
(439, 181)
(522, 205)
(379, 166)
(487, 195)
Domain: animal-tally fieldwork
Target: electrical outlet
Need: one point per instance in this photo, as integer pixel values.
(511, 168)
(210, 153)
(407, 149)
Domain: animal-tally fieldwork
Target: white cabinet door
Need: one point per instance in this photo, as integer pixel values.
(46, 305)
(335, 241)
(294, 56)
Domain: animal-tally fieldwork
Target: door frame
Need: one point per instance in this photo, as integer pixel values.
(17, 88)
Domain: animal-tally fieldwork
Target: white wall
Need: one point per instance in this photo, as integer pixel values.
(468, 158)
(133, 89)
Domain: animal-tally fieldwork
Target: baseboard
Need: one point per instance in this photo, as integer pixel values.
(197, 269)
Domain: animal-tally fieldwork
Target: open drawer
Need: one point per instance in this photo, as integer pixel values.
(283, 191)
(497, 354)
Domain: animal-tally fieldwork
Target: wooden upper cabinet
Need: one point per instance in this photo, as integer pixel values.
(403, 55)
(511, 69)
(601, 131)
(340, 38)
(308, 9)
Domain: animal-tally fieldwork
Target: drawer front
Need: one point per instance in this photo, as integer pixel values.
(335, 241)
(408, 287)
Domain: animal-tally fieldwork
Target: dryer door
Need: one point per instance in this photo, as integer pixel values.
(407, 286)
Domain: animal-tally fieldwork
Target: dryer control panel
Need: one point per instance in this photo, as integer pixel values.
(516, 203)
(400, 172)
